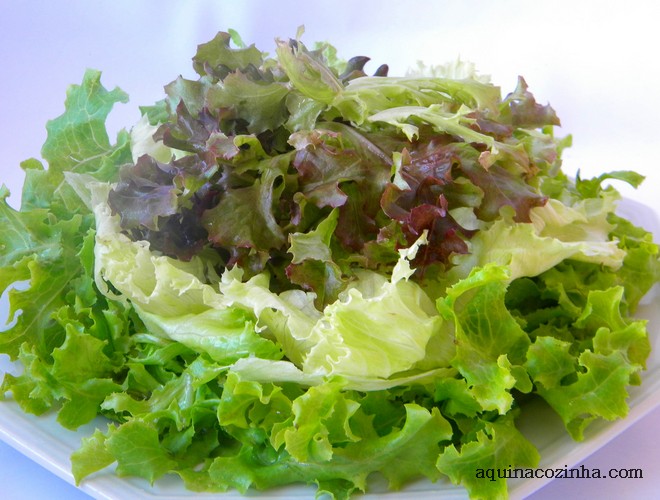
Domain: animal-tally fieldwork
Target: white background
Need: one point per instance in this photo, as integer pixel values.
(595, 62)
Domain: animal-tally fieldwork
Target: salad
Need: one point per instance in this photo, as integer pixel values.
(292, 271)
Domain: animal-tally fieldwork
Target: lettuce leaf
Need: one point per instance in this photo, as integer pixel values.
(67, 336)
(170, 297)
(594, 383)
(556, 233)
(343, 338)
(336, 446)
(497, 445)
(488, 338)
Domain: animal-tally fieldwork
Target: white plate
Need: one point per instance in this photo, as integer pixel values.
(47, 443)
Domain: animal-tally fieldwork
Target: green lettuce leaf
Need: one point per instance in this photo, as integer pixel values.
(400, 455)
(137, 449)
(365, 97)
(263, 102)
(171, 297)
(344, 338)
(77, 141)
(69, 338)
(498, 445)
(217, 54)
(349, 335)
(308, 73)
(488, 338)
(557, 232)
(592, 384)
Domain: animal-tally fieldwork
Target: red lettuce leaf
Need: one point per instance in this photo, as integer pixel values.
(422, 206)
(217, 58)
(502, 188)
(145, 193)
(525, 112)
(246, 216)
(342, 168)
(323, 278)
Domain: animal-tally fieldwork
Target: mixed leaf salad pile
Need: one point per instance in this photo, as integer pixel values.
(290, 271)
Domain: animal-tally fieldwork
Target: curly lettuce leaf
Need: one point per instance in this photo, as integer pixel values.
(346, 337)
(263, 102)
(281, 435)
(44, 241)
(557, 232)
(498, 445)
(488, 338)
(218, 55)
(69, 338)
(76, 141)
(308, 72)
(400, 455)
(172, 297)
(592, 384)
(367, 96)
